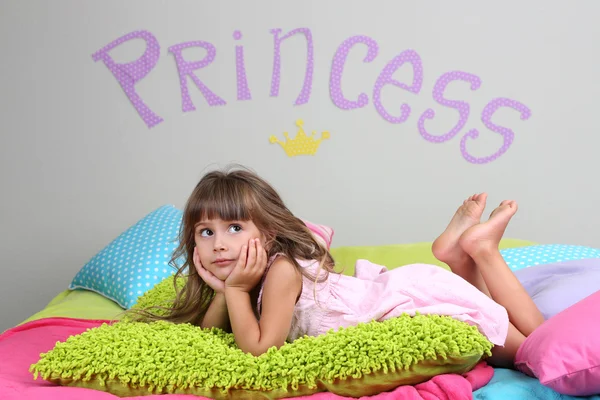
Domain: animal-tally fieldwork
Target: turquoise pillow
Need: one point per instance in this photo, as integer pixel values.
(528, 256)
(135, 261)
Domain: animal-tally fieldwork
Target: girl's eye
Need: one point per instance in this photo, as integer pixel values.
(235, 228)
(205, 232)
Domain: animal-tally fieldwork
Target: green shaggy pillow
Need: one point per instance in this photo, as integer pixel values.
(157, 299)
(136, 358)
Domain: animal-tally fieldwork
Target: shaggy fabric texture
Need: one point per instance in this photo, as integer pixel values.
(156, 300)
(128, 358)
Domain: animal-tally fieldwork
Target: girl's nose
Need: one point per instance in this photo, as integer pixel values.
(219, 246)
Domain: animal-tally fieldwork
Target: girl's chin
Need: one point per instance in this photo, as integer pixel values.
(223, 275)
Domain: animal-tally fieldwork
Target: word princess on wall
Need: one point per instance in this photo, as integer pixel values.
(128, 74)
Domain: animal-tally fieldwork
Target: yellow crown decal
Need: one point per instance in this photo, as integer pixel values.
(302, 144)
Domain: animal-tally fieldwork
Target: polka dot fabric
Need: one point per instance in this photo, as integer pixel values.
(135, 261)
(528, 256)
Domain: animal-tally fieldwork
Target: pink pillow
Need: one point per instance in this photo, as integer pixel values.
(322, 233)
(564, 352)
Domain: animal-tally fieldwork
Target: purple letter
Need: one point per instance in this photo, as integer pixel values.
(385, 77)
(462, 107)
(243, 92)
(128, 74)
(187, 68)
(276, 77)
(486, 117)
(337, 69)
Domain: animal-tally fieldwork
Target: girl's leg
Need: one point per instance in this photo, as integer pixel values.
(447, 249)
(504, 356)
(481, 243)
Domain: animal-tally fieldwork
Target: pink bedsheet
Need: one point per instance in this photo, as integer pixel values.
(21, 346)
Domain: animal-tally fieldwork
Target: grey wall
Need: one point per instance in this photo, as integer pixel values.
(78, 165)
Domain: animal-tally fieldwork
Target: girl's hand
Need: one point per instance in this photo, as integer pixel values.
(250, 267)
(215, 283)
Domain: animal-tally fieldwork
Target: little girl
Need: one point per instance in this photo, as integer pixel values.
(256, 270)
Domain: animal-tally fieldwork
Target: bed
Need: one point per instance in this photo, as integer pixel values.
(80, 309)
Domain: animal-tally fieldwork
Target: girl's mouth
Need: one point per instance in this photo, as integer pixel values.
(223, 262)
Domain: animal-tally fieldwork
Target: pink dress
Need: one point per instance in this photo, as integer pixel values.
(374, 293)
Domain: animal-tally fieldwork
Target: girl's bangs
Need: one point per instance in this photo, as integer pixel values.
(228, 202)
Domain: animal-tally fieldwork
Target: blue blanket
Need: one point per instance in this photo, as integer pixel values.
(509, 384)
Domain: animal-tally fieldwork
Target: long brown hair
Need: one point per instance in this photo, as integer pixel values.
(235, 194)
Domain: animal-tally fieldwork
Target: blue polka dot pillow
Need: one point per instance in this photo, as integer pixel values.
(523, 257)
(135, 261)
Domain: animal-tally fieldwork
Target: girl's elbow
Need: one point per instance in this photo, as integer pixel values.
(257, 352)
(260, 349)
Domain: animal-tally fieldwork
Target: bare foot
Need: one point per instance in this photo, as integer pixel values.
(485, 237)
(446, 248)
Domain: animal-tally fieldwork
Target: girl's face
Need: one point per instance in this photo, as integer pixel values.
(220, 242)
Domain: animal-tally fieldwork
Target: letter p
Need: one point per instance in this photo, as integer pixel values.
(128, 74)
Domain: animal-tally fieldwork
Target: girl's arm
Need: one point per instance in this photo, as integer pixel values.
(216, 315)
(282, 286)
